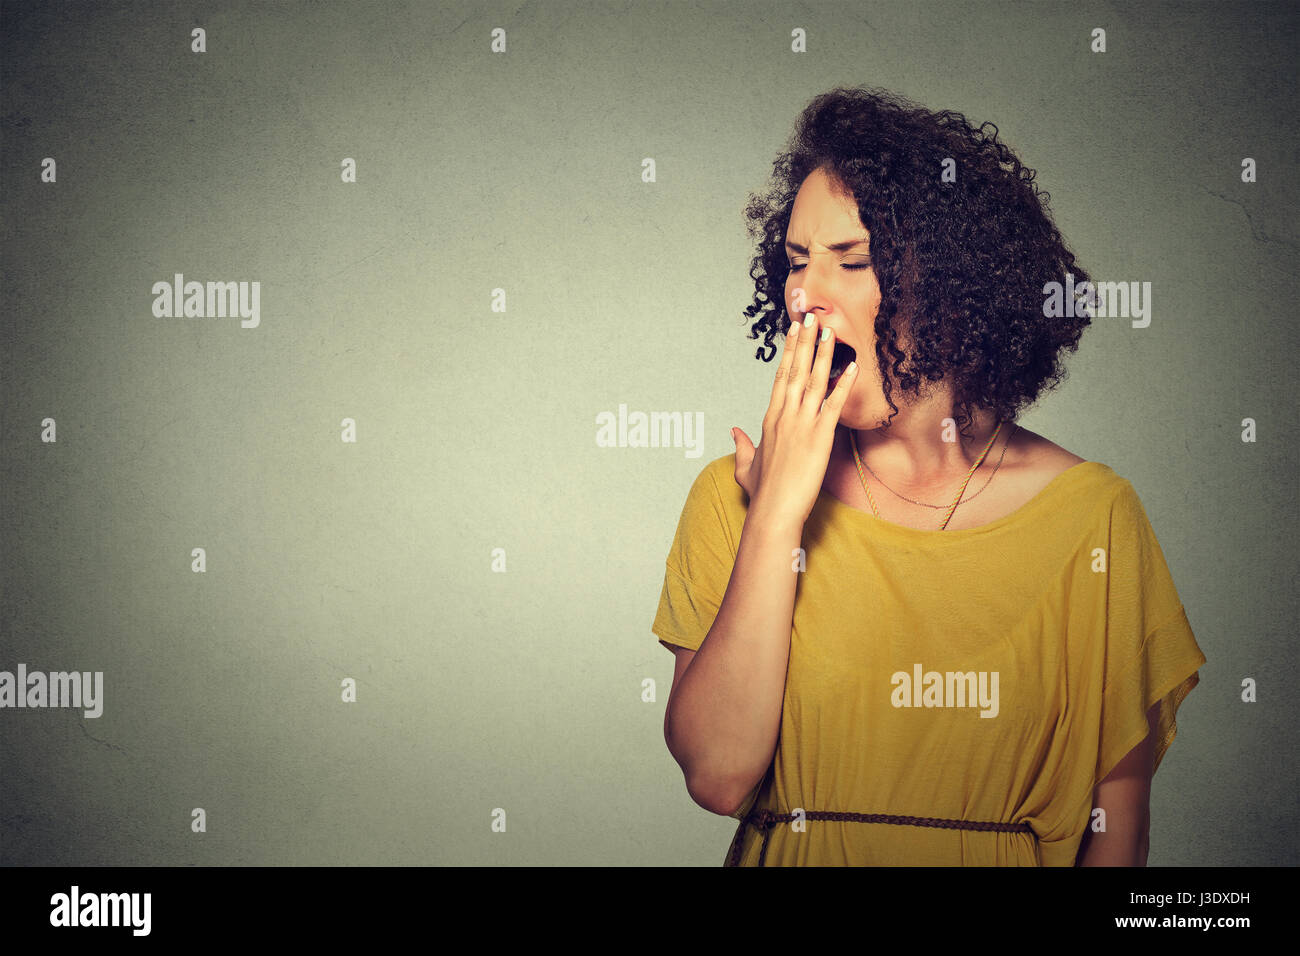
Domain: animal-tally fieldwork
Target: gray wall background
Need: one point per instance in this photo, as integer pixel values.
(476, 428)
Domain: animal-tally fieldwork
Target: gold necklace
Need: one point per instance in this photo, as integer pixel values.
(956, 501)
(971, 498)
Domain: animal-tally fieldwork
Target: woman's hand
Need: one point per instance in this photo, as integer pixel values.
(784, 475)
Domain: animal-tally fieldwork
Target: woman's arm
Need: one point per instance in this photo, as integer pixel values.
(1125, 795)
(723, 717)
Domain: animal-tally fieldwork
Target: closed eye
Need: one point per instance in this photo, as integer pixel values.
(850, 268)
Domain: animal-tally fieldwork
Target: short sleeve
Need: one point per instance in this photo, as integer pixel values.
(699, 563)
(1150, 654)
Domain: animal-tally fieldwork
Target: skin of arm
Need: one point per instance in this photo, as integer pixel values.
(724, 712)
(1125, 795)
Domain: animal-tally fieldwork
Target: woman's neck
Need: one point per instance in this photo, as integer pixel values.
(921, 452)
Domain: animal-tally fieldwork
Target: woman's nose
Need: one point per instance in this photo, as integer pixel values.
(807, 297)
(814, 281)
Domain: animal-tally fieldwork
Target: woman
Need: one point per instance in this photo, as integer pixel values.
(916, 633)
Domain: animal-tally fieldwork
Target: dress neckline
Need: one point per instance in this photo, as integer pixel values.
(1026, 511)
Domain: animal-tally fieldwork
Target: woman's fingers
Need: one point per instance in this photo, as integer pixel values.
(815, 388)
(802, 362)
(834, 403)
(783, 474)
(783, 373)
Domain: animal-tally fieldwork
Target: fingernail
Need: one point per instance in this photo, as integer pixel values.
(808, 320)
(826, 332)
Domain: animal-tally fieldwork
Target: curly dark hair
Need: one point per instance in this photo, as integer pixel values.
(963, 264)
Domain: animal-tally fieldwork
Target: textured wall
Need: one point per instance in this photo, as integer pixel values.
(476, 170)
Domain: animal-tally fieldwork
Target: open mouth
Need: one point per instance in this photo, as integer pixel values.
(840, 358)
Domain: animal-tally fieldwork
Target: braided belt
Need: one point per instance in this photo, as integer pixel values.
(767, 819)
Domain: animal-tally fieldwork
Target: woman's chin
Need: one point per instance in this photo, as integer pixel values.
(858, 416)
(851, 415)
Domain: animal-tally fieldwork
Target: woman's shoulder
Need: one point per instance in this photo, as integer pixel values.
(714, 486)
(1042, 461)
(1042, 456)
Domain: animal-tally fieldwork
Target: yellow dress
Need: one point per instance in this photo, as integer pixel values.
(992, 674)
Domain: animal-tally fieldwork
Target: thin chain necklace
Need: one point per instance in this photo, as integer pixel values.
(956, 500)
(971, 498)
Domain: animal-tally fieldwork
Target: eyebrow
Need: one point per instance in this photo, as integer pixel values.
(834, 246)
